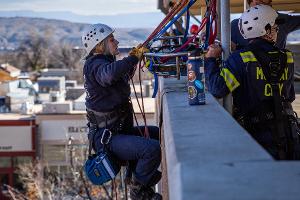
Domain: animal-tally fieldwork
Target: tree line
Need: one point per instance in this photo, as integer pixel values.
(40, 51)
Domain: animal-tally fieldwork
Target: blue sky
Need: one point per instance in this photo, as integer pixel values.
(119, 13)
(82, 7)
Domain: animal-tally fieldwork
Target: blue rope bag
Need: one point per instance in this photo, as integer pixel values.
(101, 167)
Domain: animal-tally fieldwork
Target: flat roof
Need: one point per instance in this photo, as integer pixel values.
(15, 116)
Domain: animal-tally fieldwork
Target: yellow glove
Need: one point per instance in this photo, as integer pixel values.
(134, 52)
(138, 51)
(147, 64)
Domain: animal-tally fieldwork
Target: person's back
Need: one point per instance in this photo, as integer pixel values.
(107, 87)
(260, 78)
(249, 85)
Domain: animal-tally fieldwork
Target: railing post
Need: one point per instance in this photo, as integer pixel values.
(225, 38)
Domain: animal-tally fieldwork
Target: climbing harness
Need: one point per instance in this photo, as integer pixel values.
(102, 166)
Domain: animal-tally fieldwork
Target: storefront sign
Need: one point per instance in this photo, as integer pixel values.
(6, 148)
(77, 129)
(62, 130)
(17, 138)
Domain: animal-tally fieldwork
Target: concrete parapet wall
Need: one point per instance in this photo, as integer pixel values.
(208, 155)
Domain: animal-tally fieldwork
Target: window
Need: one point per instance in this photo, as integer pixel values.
(80, 152)
(54, 153)
(5, 162)
(52, 169)
(4, 179)
(21, 160)
(64, 169)
(18, 183)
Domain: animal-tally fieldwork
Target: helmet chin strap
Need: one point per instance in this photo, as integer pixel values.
(270, 36)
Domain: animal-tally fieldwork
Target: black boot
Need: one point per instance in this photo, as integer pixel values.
(155, 179)
(138, 191)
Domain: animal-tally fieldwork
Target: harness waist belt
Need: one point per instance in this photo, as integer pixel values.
(103, 119)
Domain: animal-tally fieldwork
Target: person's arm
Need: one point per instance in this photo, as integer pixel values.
(221, 81)
(215, 82)
(292, 23)
(108, 73)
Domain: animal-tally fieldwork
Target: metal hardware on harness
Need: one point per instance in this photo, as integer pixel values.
(295, 120)
(92, 128)
(105, 140)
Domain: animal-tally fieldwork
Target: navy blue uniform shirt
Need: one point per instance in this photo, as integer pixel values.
(106, 82)
(243, 76)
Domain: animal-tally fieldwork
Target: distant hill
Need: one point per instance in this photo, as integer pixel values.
(130, 20)
(15, 29)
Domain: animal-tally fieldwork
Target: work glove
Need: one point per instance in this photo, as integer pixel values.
(147, 64)
(138, 51)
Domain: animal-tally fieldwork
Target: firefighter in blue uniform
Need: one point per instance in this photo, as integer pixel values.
(109, 107)
(260, 78)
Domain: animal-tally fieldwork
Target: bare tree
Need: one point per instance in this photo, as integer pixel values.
(33, 52)
(66, 56)
(40, 183)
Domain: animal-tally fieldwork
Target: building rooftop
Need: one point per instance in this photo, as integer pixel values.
(8, 72)
(10, 69)
(15, 116)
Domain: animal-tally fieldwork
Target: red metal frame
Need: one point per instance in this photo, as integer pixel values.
(32, 153)
(9, 172)
(16, 122)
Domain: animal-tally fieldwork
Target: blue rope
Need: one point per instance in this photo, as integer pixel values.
(152, 71)
(174, 20)
(187, 25)
(207, 33)
(208, 25)
(155, 85)
(150, 68)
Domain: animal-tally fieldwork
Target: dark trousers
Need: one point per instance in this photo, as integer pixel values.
(131, 146)
(264, 135)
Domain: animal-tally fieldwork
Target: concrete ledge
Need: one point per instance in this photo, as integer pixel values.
(209, 156)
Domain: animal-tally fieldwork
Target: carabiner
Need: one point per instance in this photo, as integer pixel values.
(105, 140)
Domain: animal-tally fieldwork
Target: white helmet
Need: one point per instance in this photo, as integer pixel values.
(94, 35)
(253, 22)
